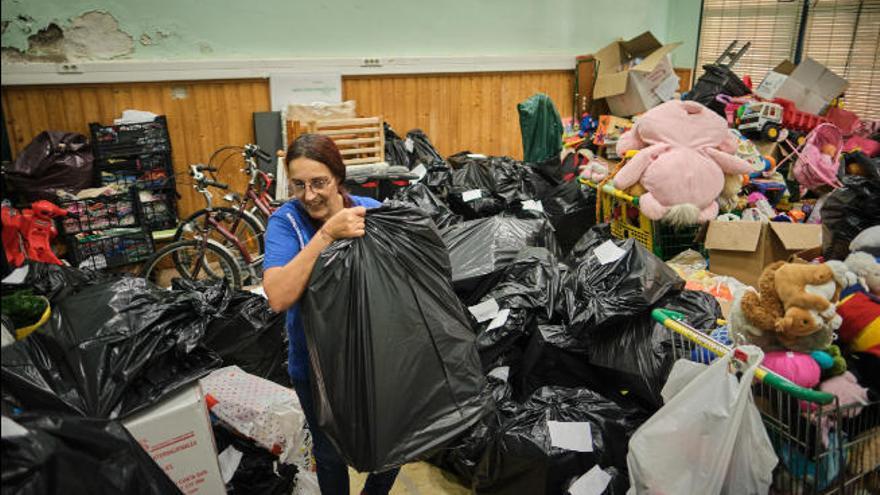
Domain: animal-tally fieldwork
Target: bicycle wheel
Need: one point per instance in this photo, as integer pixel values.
(248, 230)
(190, 259)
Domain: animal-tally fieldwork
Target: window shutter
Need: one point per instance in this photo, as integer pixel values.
(770, 25)
(844, 35)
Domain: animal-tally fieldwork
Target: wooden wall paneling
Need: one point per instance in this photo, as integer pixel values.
(472, 111)
(209, 115)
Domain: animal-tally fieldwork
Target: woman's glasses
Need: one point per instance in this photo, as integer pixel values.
(298, 187)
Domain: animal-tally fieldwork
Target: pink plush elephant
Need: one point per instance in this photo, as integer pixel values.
(686, 150)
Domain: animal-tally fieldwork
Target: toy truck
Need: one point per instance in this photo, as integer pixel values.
(768, 118)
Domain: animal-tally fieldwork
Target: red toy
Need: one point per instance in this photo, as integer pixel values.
(35, 227)
(12, 222)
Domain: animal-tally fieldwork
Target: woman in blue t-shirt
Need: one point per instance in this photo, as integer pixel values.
(297, 232)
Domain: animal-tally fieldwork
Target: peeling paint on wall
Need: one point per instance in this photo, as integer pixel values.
(94, 35)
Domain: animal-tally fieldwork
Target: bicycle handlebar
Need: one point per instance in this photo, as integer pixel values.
(218, 185)
(202, 168)
(251, 150)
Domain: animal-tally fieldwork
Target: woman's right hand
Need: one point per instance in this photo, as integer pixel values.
(348, 222)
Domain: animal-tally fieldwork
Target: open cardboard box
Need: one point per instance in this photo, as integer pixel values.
(635, 75)
(742, 249)
(810, 85)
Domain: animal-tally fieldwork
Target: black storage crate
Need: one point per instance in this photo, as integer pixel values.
(101, 249)
(102, 212)
(126, 140)
(150, 171)
(158, 208)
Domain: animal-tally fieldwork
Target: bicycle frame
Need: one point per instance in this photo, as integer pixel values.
(211, 222)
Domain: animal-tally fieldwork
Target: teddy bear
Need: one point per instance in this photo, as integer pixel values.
(685, 153)
(810, 287)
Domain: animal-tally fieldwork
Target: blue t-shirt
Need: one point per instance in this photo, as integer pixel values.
(289, 230)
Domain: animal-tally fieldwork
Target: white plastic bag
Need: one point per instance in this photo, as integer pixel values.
(707, 439)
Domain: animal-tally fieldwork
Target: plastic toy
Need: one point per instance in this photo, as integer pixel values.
(11, 239)
(686, 151)
(35, 227)
(588, 125)
(768, 118)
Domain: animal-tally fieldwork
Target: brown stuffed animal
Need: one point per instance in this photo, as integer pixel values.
(764, 308)
(797, 322)
(792, 279)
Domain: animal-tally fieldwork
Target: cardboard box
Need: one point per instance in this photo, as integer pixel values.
(810, 85)
(177, 435)
(635, 75)
(742, 249)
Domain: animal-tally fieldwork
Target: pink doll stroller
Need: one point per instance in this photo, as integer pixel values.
(819, 160)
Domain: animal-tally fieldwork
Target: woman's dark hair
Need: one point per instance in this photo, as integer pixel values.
(320, 149)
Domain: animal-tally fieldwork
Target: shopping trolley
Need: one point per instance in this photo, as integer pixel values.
(621, 211)
(823, 447)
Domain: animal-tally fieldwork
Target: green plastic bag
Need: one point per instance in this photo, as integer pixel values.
(541, 128)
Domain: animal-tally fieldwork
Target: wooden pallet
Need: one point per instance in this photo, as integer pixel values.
(360, 140)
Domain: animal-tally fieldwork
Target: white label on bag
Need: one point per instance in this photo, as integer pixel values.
(17, 276)
(409, 145)
(485, 311)
(229, 460)
(531, 204)
(501, 373)
(9, 428)
(476, 155)
(593, 482)
(419, 170)
(608, 252)
(471, 195)
(573, 435)
(499, 320)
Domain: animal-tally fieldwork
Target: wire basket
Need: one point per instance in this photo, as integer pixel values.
(157, 209)
(101, 212)
(103, 249)
(823, 447)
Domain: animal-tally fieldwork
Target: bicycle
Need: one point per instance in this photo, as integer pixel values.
(201, 257)
(247, 226)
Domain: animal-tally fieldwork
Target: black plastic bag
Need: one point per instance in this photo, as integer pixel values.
(600, 295)
(59, 281)
(637, 354)
(258, 472)
(111, 349)
(248, 334)
(63, 455)
(438, 179)
(480, 249)
(521, 459)
(423, 152)
(420, 196)
(592, 238)
(394, 369)
(395, 148)
(572, 211)
(555, 357)
(462, 456)
(551, 170)
(846, 212)
(53, 161)
(716, 80)
(528, 288)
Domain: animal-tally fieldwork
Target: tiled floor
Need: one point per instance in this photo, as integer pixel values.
(419, 478)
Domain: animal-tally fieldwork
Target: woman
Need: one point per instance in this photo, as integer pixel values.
(298, 231)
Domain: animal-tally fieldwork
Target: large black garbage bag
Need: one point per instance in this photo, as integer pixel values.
(438, 179)
(555, 357)
(394, 368)
(592, 238)
(480, 249)
(521, 458)
(528, 288)
(59, 281)
(111, 349)
(462, 456)
(53, 161)
(600, 295)
(551, 170)
(473, 194)
(423, 152)
(420, 196)
(637, 354)
(248, 334)
(259, 471)
(395, 148)
(845, 213)
(572, 211)
(63, 455)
